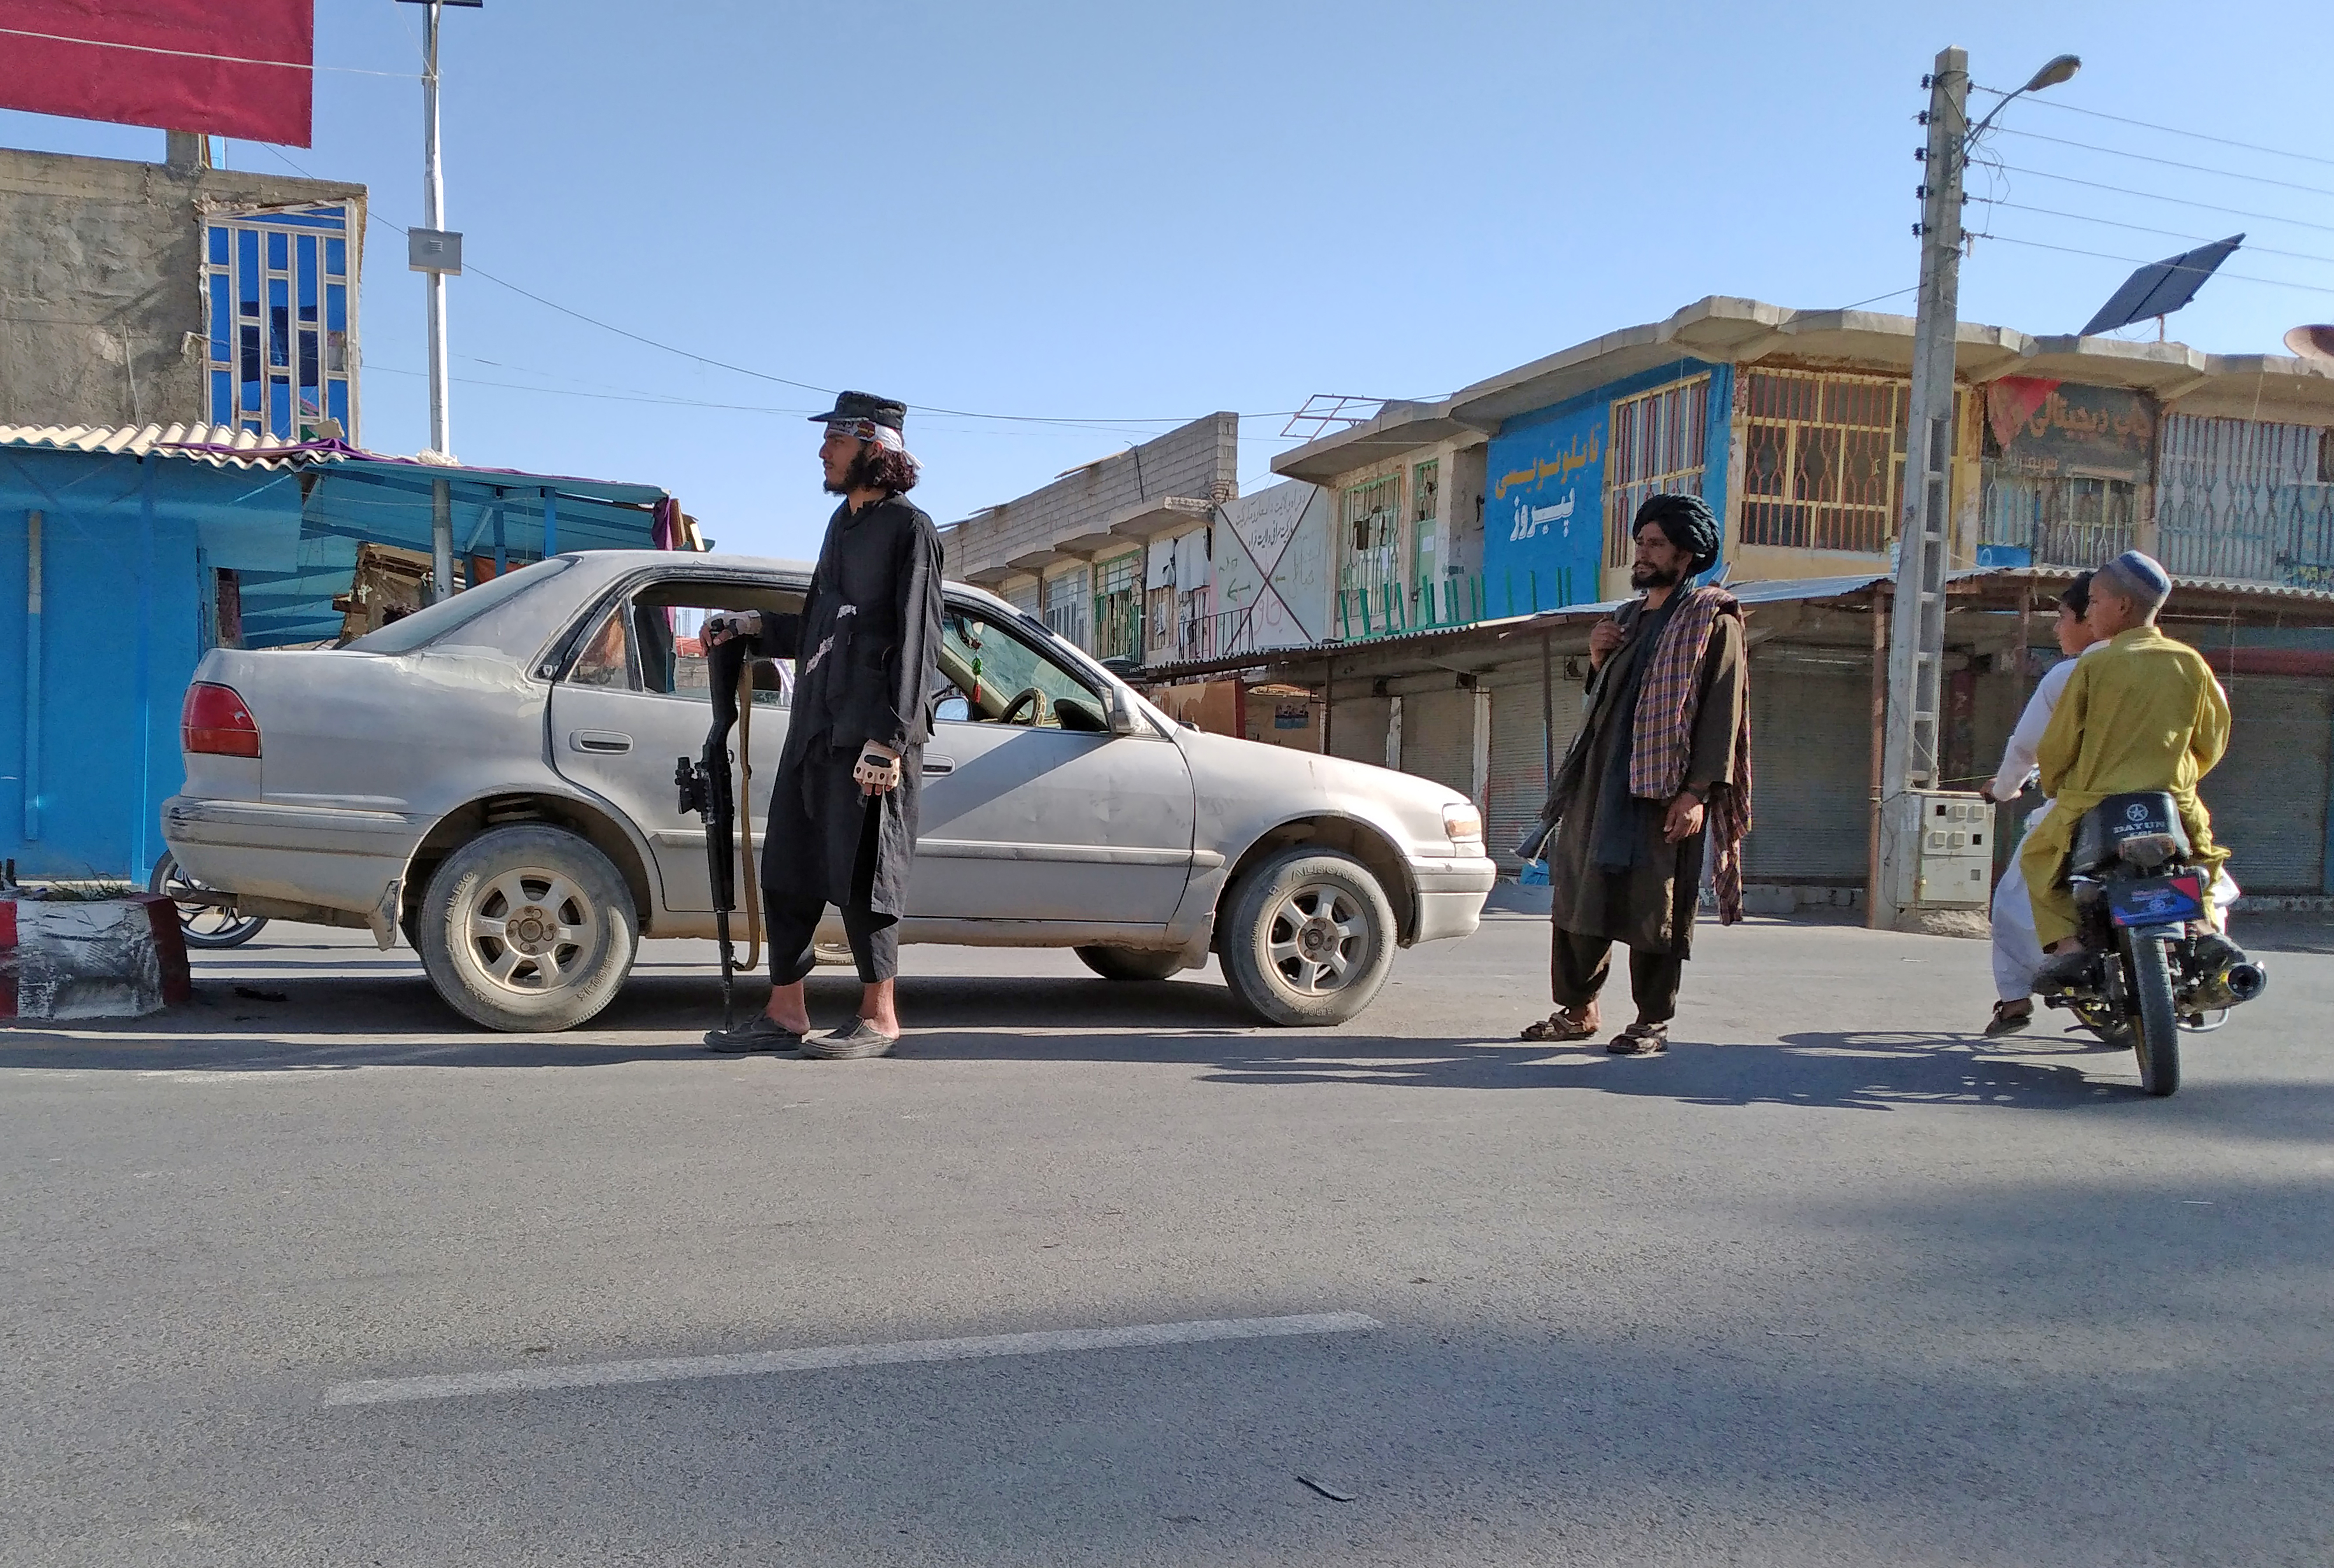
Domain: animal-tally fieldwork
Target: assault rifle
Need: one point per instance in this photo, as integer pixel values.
(706, 788)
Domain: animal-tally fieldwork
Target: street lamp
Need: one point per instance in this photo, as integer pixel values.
(1918, 627)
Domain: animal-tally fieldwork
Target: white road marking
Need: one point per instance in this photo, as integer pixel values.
(672, 1369)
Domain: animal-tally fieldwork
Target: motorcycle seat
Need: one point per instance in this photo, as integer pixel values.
(2100, 835)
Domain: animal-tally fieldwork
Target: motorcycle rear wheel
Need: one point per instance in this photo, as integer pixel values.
(2155, 1031)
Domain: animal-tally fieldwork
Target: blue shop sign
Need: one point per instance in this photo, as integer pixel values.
(1544, 518)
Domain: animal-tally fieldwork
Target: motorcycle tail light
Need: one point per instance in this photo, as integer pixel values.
(214, 720)
(2148, 850)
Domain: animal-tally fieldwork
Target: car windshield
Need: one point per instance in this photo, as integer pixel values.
(427, 626)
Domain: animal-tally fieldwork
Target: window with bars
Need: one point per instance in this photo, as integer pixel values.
(280, 296)
(1370, 570)
(1656, 445)
(1118, 607)
(1823, 459)
(1425, 523)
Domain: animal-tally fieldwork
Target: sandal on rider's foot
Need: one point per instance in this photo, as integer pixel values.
(861, 1040)
(1640, 1040)
(2006, 1022)
(1564, 1023)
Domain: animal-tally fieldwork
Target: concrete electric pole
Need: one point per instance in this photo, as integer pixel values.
(1917, 647)
(436, 253)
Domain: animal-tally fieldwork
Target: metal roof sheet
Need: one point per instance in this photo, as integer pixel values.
(221, 446)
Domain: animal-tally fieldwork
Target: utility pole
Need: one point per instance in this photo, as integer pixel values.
(435, 252)
(1916, 646)
(1917, 633)
(433, 217)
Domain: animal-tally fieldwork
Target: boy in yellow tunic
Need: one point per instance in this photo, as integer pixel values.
(2142, 713)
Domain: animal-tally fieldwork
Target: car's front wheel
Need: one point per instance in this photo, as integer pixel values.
(528, 928)
(1310, 937)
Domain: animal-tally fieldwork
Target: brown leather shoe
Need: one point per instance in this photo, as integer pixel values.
(1565, 1023)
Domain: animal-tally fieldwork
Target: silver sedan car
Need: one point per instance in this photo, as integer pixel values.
(493, 776)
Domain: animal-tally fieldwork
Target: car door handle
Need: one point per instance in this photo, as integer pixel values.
(935, 766)
(602, 741)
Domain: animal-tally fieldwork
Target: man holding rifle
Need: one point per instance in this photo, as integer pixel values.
(843, 806)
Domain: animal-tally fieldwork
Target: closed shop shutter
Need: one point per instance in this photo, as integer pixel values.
(1811, 769)
(1438, 737)
(2268, 796)
(1518, 757)
(1357, 729)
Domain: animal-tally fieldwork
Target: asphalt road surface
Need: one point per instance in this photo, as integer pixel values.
(1095, 1274)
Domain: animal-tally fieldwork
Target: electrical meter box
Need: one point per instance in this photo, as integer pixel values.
(1952, 864)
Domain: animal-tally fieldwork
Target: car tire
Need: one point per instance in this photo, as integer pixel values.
(1309, 939)
(1130, 963)
(527, 929)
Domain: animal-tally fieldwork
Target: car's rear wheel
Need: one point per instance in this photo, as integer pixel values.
(528, 928)
(1130, 963)
(1310, 937)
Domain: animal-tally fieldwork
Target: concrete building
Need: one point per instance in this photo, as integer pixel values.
(1117, 555)
(1476, 539)
(136, 294)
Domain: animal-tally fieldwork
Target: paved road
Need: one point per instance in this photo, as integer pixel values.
(1833, 1283)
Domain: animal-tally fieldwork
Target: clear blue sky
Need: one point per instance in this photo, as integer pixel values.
(1118, 212)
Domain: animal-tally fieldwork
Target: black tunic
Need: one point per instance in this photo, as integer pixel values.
(866, 652)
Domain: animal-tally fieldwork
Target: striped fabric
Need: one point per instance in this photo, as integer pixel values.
(1668, 703)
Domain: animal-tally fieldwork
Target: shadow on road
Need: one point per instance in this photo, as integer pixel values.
(394, 1019)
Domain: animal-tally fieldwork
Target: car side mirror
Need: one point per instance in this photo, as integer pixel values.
(1123, 719)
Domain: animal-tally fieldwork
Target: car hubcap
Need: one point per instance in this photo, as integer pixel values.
(1317, 939)
(530, 928)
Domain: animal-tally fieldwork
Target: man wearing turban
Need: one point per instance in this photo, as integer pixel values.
(1659, 769)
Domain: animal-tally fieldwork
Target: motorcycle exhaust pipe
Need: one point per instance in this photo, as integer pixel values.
(2245, 981)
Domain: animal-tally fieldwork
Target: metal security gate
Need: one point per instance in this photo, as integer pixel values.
(2244, 499)
(1811, 774)
(1518, 757)
(1438, 737)
(2268, 796)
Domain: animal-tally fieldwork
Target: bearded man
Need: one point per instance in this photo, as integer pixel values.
(843, 806)
(1661, 765)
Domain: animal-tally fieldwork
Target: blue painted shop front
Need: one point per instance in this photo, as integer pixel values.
(1545, 489)
(110, 568)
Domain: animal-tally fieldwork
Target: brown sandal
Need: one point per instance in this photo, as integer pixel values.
(1565, 1023)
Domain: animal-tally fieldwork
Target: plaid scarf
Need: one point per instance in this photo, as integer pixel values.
(1668, 702)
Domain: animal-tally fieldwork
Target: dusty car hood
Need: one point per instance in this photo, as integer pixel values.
(1231, 773)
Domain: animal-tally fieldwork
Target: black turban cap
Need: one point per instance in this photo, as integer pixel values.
(1686, 523)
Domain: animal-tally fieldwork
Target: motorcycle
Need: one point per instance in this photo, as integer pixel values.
(2141, 907)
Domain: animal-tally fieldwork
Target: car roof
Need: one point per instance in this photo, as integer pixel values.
(607, 565)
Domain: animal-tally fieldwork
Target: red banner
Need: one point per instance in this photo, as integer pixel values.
(228, 67)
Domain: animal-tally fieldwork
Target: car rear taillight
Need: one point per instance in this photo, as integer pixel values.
(215, 720)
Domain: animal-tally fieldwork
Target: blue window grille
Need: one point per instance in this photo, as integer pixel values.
(281, 304)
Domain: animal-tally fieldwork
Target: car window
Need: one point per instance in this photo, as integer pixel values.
(448, 615)
(990, 667)
(650, 641)
(607, 657)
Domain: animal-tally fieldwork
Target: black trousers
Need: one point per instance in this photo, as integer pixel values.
(1578, 967)
(791, 913)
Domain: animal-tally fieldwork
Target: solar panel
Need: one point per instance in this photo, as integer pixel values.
(2160, 288)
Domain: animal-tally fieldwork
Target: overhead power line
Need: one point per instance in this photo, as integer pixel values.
(200, 55)
(2143, 228)
(2167, 129)
(2174, 200)
(2142, 261)
(2163, 162)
